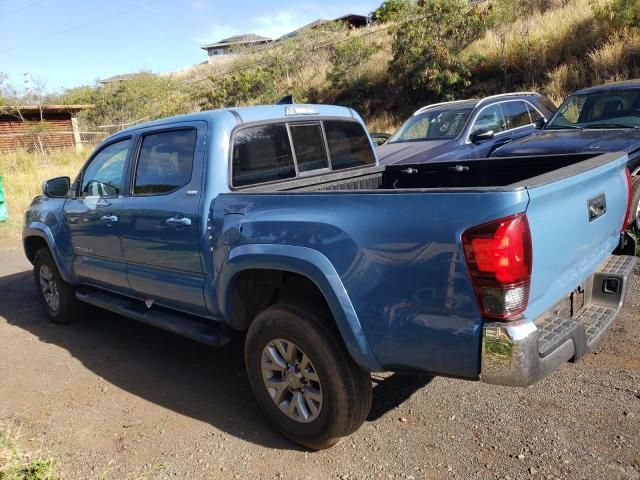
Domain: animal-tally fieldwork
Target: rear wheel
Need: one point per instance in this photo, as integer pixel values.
(57, 296)
(635, 202)
(303, 378)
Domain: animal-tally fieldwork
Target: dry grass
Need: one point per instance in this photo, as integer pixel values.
(383, 122)
(15, 464)
(22, 175)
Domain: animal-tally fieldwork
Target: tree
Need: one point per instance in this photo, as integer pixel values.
(392, 10)
(425, 50)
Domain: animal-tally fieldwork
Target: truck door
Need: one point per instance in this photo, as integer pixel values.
(92, 217)
(160, 219)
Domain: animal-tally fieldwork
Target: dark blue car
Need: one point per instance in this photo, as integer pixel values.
(605, 118)
(465, 129)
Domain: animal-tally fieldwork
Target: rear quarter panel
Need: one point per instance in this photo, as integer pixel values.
(398, 257)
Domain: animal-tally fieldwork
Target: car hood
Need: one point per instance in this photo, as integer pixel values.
(412, 152)
(572, 141)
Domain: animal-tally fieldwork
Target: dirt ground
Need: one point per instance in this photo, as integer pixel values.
(112, 399)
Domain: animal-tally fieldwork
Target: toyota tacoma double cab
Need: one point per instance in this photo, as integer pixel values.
(278, 222)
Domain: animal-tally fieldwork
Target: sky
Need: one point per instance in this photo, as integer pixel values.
(69, 43)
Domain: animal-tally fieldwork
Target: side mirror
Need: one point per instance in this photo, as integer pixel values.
(379, 138)
(56, 187)
(481, 135)
(540, 123)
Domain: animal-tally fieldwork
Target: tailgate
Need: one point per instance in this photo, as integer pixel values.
(569, 243)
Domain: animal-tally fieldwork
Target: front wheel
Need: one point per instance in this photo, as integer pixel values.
(303, 378)
(57, 296)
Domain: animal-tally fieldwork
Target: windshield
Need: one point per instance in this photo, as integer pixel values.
(432, 125)
(619, 109)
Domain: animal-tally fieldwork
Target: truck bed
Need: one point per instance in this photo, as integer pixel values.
(393, 236)
(493, 173)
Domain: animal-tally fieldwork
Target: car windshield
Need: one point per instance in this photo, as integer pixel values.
(437, 124)
(613, 109)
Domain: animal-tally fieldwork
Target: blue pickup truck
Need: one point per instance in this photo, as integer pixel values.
(277, 221)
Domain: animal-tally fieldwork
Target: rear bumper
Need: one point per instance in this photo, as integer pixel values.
(521, 353)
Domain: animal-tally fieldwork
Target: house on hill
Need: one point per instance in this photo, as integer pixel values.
(351, 19)
(227, 46)
(224, 49)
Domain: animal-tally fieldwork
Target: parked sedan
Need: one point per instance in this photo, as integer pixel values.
(605, 118)
(465, 129)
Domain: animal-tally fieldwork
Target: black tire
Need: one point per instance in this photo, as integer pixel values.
(346, 389)
(68, 309)
(635, 200)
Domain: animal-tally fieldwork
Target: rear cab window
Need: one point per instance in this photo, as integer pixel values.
(281, 151)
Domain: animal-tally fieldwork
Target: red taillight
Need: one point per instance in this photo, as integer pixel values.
(499, 259)
(627, 216)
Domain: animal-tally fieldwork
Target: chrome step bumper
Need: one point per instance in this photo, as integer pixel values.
(521, 353)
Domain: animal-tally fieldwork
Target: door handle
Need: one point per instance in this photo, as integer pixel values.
(178, 222)
(109, 219)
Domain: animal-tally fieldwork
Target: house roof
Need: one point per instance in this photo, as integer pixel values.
(46, 108)
(245, 39)
(351, 18)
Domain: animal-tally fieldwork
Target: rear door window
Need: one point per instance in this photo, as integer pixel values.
(517, 114)
(262, 154)
(490, 118)
(308, 144)
(165, 162)
(349, 145)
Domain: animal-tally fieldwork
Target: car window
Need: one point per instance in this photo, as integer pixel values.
(308, 144)
(615, 109)
(490, 118)
(534, 113)
(517, 114)
(434, 124)
(104, 176)
(262, 154)
(349, 145)
(165, 162)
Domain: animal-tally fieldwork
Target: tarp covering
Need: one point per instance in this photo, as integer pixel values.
(4, 214)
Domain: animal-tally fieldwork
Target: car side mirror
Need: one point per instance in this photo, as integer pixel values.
(481, 135)
(540, 123)
(56, 187)
(379, 138)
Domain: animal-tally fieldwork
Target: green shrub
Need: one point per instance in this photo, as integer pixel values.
(615, 14)
(347, 59)
(425, 60)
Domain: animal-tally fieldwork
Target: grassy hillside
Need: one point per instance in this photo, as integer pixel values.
(423, 52)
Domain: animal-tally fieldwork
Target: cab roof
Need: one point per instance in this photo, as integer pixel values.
(255, 113)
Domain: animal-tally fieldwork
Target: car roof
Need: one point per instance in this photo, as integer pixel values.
(610, 87)
(474, 102)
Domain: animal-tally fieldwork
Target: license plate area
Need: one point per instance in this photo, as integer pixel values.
(571, 304)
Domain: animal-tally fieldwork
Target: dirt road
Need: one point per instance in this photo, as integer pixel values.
(110, 398)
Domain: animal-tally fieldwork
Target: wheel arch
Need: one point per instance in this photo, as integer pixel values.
(305, 263)
(35, 237)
